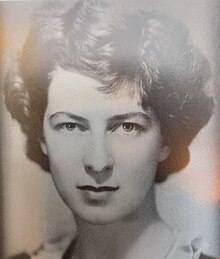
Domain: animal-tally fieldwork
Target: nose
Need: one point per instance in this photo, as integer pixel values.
(98, 161)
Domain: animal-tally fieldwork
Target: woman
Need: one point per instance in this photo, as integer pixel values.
(109, 103)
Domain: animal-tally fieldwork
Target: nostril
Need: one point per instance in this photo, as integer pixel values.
(89, 168)
(107, 168)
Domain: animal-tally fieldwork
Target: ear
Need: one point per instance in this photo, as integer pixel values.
(43, 148)
(164, 153)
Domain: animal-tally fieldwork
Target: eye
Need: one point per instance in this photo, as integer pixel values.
(70, 127)
(128, 127)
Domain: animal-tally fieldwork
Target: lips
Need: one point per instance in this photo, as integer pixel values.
(98, 189)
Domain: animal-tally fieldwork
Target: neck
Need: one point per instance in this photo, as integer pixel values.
(117, 239)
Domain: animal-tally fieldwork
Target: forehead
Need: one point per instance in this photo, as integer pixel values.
(74, 92)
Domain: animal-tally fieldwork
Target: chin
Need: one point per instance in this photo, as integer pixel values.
(99, 218)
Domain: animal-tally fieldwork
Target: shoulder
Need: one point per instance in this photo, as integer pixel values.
(179, 245)
(20, 256)
(50, 250)
(206, 257)
(26, 256)
(186, 247)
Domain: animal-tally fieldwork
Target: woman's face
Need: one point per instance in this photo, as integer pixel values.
(103, 150)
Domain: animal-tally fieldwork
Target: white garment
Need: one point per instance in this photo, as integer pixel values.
(180, 247)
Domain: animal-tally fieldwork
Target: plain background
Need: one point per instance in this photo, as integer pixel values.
(189, 200)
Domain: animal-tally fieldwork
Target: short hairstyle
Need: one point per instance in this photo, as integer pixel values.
(151, 51)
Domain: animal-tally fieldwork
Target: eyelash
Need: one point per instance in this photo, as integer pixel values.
(134, 127)
(69, 126)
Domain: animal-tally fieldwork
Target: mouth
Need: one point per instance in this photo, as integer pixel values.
(97, 189)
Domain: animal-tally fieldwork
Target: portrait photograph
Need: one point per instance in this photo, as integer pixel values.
(110, 129)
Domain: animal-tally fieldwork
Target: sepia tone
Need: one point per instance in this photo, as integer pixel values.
(33, 213)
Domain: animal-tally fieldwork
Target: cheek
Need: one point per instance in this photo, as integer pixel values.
(137, 153)
(65, 158)
(136, 162)
(66, 168)
(64, 149)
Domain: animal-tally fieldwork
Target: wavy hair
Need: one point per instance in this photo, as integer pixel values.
(151, 51)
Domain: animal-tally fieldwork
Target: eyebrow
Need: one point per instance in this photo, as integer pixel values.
(111, 121)
(70, 115)
(126, 116)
